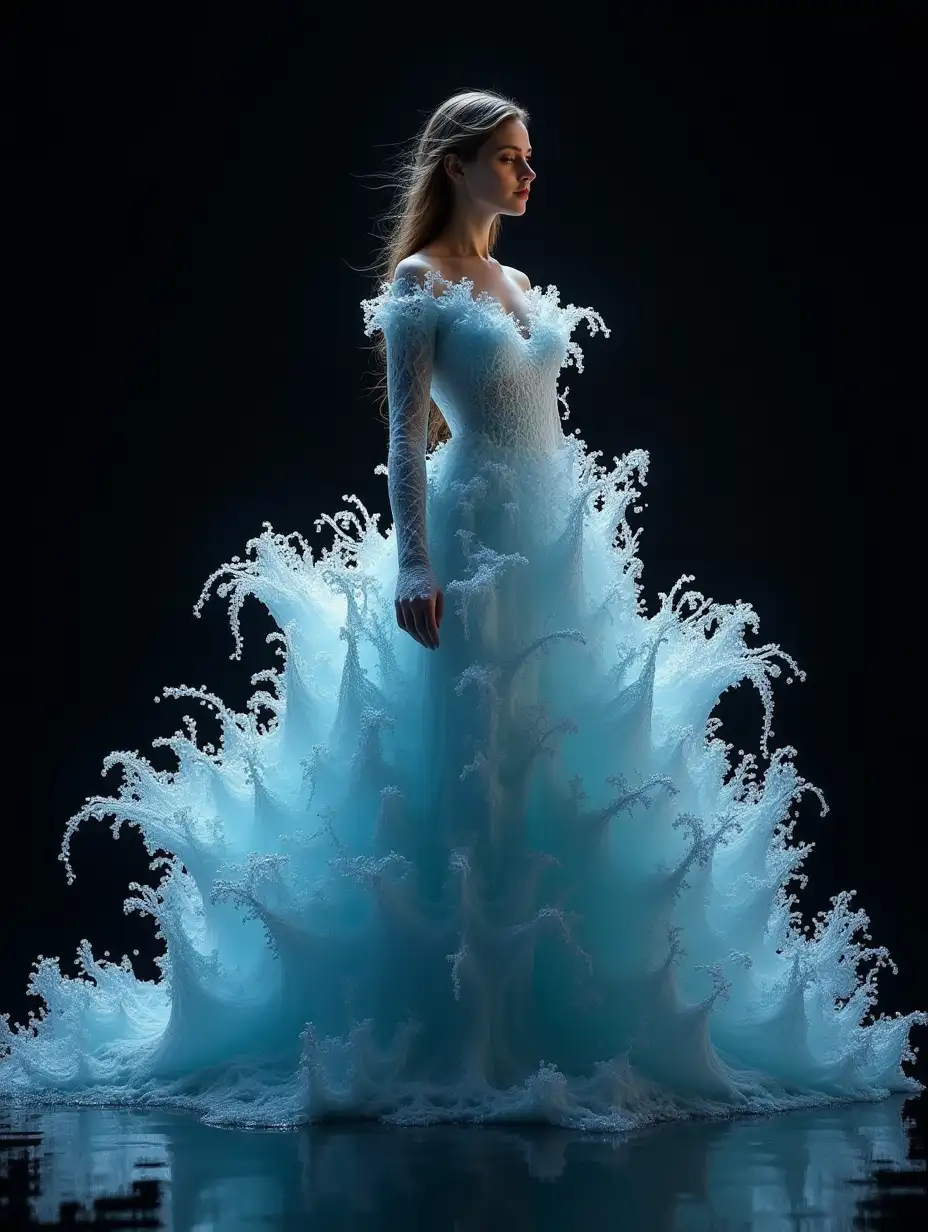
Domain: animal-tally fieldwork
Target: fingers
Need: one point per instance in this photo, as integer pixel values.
(420, 615)
(420, 619)
(431, 621)
(406, 619)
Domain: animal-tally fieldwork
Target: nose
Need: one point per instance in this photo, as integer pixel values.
(527, 174)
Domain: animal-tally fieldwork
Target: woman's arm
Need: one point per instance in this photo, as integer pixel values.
(410, 343)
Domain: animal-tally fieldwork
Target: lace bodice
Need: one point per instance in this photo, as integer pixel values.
(493, 381)
(486, 375)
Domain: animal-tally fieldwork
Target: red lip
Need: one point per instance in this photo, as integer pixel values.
(522, 192)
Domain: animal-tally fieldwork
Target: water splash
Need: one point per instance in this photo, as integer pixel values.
(519, 879)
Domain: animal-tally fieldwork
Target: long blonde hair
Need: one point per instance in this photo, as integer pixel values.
(424, 197)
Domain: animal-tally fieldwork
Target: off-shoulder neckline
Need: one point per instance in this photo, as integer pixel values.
(482, 297)
(542, 302)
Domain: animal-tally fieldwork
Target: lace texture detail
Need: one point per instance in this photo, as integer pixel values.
(489, 379)
(494, 384)
(409, 333)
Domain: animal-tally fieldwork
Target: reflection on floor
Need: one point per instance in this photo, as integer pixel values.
(856, 1167)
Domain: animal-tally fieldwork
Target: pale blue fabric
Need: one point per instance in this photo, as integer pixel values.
(520, 877)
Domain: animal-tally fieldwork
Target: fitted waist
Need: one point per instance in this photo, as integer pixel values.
(538, 437)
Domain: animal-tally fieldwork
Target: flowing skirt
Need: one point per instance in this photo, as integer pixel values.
(519, 878)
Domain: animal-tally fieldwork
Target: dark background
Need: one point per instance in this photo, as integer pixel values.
(733, 187)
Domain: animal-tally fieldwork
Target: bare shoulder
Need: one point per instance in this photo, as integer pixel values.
(415, 267)
(522, 281)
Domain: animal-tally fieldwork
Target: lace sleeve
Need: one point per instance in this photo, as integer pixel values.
(405, 311)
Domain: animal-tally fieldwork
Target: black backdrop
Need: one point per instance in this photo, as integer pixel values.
(732, 187)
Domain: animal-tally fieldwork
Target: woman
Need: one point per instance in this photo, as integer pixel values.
(448, 223)
(518, 879)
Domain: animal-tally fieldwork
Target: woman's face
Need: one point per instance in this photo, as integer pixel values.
(499, 178)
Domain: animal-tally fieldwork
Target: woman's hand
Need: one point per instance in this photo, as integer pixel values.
(420, 605)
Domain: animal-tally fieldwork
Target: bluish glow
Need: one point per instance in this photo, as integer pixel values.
(805, 1169)
(520, 878)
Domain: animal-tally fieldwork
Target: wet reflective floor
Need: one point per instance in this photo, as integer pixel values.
(857, 1167)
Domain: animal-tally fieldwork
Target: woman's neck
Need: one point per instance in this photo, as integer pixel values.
(464, 239)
